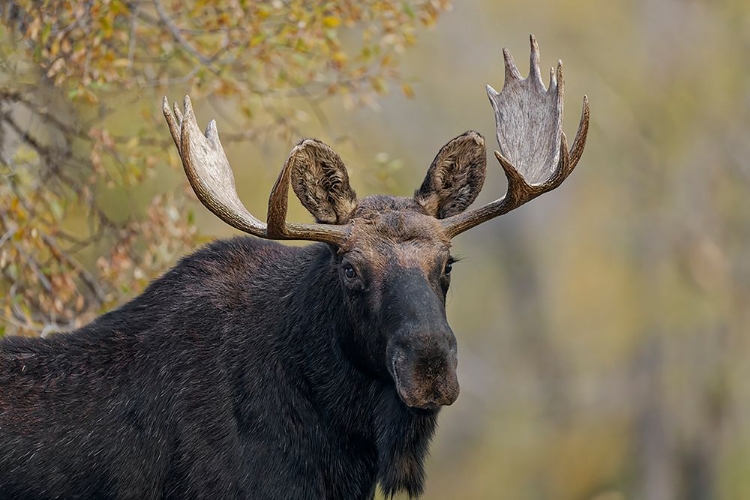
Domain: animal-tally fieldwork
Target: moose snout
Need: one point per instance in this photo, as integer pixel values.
(424, 370)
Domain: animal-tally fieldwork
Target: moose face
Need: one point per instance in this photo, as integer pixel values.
(395, 264)
(395, 268)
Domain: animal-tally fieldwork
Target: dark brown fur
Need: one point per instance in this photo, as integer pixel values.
(252, 369)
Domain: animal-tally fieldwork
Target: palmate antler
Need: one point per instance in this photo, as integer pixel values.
(533, 148)
(533, 153)
(210, 175)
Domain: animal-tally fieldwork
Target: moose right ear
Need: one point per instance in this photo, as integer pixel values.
(321, 182)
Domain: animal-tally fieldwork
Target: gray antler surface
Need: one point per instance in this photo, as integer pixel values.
(207, 168)
(528, 118)
(533, 148)
(211, 177)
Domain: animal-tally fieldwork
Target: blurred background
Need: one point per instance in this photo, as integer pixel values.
(603, 328)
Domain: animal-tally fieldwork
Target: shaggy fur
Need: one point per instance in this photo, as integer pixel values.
(193, 391)
(250, 370)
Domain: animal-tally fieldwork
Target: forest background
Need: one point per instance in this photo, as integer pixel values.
(603, 329)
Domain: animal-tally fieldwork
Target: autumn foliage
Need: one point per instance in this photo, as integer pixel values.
(76, 235)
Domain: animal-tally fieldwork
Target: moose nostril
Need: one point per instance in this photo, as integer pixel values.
(429, 352)
(434, 340)
(425, 373)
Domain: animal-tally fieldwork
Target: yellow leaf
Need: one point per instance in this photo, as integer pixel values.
(339, 57)
(331, 21)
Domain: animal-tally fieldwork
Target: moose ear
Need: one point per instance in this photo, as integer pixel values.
(320, 181)
(455, 177)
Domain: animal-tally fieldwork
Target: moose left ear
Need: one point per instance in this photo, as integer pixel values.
(455, 177)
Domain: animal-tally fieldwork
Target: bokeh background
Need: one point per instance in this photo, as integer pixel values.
(604, 347)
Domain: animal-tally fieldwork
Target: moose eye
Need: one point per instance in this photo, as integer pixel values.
(349, 271)
(448, 267)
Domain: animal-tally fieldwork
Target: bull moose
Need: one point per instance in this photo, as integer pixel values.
(258, 370)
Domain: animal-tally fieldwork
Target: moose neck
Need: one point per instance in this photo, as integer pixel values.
(353, 401)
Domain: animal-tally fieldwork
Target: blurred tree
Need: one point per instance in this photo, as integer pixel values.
(77, 132)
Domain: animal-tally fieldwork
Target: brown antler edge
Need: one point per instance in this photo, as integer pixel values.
(533, 148)
(211, 177)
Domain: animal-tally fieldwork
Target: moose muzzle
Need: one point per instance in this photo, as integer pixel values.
(425, 372)
(421, 353)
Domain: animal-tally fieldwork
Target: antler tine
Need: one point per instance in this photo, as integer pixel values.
(576, 151)
(175, 125)
(533, 148)
(511, 70)
(211, 177)
(278, 202)
(208, 170)
(552, 80)
(535, 73)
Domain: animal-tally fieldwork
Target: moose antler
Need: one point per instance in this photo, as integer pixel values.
(533, 148)
(210, 175)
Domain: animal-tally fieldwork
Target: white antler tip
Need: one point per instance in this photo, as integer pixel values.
(534, 72)
(188, 105)
(212, 133)
(177, 113)
(511, 70)
(534, 45)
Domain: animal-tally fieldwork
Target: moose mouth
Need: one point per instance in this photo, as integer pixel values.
(426, 383)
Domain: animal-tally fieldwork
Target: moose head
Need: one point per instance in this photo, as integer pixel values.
(392, 254)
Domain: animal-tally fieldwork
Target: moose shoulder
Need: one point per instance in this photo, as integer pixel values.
(258, 370)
